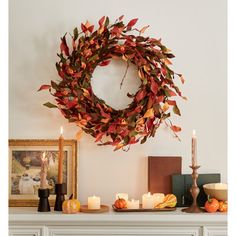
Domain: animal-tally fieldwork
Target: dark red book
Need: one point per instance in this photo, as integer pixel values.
(160, 171)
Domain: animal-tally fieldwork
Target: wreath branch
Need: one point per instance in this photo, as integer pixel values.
(122, 81)
(171, 124)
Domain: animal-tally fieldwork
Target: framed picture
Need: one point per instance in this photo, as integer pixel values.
(25, 166)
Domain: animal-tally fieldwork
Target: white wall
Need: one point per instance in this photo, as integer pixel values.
(194, 30)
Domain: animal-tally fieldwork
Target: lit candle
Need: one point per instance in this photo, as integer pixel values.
(94, 202)
(158, 198)
(194, 149)
(122, 195)
(60, 158)
(133, 204)
(43, 173)
(147, 201)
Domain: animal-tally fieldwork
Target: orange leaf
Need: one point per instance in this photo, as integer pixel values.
(175, 128)
(79, 135)
(143, 29)
(149, 113)
(165, 107)
(119, 146)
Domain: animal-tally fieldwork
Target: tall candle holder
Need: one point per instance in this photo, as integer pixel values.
(194, 190)
(60, 190)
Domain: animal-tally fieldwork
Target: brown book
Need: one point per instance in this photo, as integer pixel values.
(160, 170)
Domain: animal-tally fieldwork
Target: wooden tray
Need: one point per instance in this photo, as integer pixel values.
(143, 209)
(84, 208)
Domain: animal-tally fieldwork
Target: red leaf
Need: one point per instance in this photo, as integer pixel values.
(71, 104)
(101, 21)
(154, 86)
(83, 27)
(90, 28)
(112, 128)
(132, 140)
(64, 47)
(117, 31)
(121, 18)
(132, 23)
(105, 63)
(99, 137)
(45, 86)
(163, 71)
(124, 133)
(160, 99)
(61, 74)
(141, 94)
(149, 123)
(171, 93)
(175, 128)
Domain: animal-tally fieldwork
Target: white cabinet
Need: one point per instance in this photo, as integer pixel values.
(124, 231)
(215, 231)
(29, 222)
(26, 231)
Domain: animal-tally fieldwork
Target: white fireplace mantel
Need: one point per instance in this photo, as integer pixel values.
(29, 222)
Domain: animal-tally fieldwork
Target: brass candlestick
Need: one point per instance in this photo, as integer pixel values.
(194, 190)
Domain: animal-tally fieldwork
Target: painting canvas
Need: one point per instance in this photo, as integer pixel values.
(25, 166)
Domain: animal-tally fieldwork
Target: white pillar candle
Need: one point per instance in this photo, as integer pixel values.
(94, 202)
(133, 204)
(158, 198)
(122, 195)
(147, 201)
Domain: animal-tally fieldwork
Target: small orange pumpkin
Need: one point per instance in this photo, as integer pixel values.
(170, 200)
(223, 206)
(71, 206)
(120, 203)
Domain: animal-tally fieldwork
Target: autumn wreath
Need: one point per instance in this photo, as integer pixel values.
(151, 103)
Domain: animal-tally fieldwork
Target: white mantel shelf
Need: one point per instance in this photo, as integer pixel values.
(160, 223)
(31, 215)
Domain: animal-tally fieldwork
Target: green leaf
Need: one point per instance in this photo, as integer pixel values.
(133, 133)
(176, 110)
(126, 140)
(76, 34)
(54, 85)
(49, 105)
(144, 140)
(106, 22)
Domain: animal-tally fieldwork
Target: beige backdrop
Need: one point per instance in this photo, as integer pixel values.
(194, 30)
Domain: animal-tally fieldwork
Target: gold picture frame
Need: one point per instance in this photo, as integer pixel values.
(24, 169)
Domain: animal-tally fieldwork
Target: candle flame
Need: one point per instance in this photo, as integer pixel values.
(149, 193)
(132, 200)
(194, 133)
(61, 130)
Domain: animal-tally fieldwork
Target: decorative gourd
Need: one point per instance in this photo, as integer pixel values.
(169, 201)
(223, 206)
(211, 205)
(120, 203)
(71, 206)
